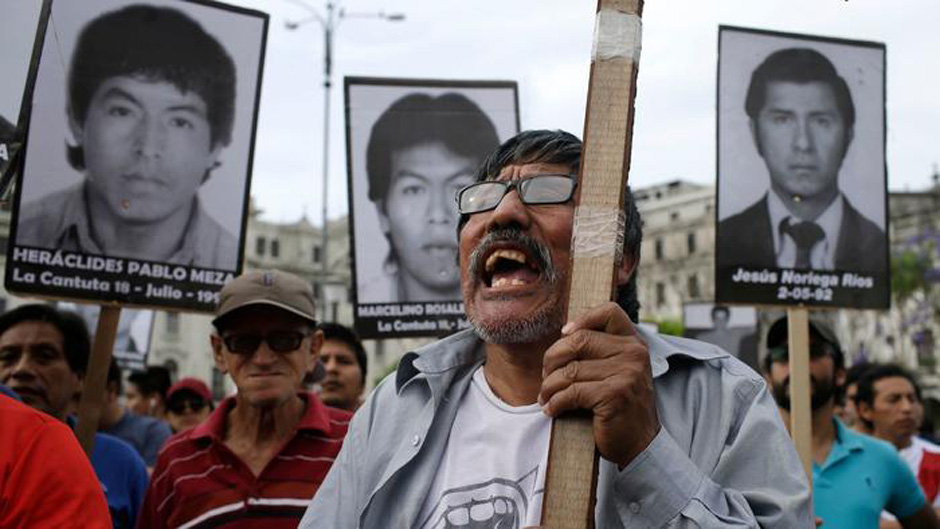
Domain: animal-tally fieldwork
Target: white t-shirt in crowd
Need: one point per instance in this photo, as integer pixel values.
(493, 470)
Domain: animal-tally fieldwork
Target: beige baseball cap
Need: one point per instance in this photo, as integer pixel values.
(267, 287)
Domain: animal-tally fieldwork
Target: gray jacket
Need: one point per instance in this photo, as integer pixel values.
(722, 458)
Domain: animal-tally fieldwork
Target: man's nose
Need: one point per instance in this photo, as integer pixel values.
(264, 354)
(150, 138)
(907, 405)
(510, 210)
(441, 209)
(803, 136)
(23, 368)
(329, 364)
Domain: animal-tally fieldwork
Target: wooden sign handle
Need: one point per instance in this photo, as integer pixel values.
(96, 377)
(801, 418)
(597, 242)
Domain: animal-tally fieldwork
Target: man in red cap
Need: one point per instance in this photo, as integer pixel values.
(188, 403)
(262, 454)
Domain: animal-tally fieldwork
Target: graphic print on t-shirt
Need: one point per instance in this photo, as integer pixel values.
(496, 504)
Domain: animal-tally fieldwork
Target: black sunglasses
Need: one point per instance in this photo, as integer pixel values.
(278, 341)
(177, 406)
(534, 190)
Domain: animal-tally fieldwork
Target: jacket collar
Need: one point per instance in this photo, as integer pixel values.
(465, 348)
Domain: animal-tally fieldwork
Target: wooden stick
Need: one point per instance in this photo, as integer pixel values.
(801, 419)
(96, 377)
(596, 244)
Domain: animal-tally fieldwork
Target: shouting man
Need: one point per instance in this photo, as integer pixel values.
(687, 434)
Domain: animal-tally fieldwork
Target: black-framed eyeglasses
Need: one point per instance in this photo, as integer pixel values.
(278, 341)
(534, 190)
(194, 403)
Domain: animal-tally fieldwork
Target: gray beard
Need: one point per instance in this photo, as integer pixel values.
(527, 328)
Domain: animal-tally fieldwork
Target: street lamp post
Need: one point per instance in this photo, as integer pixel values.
(329, 23)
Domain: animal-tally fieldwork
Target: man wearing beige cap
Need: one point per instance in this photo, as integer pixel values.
(262, 454)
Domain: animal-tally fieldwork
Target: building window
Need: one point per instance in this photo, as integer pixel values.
(690, 241)
(260, 246)
(660, 294)
(674, 216)
(659, 249)
(173, 323)
(316, 254)
(275, 248)
(693, 286)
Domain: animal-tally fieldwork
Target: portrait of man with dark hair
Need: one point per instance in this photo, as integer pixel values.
(420, 152)
(802, 119)
(151, 104)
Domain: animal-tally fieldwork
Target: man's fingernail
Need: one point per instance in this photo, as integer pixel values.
(567, 328)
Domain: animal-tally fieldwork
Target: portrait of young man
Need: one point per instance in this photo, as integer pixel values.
(157, 107)
(411, 148)
(812, 131)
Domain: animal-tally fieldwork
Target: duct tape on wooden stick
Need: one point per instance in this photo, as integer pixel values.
(597, 242)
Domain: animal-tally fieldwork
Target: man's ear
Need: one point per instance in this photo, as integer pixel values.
(214, 162)
(864, 411)
(849, 136)
(625, 269)
(840, 378)
(217, 355)
(755, 136)
(316, 343)
(383, 218)
(77, 130)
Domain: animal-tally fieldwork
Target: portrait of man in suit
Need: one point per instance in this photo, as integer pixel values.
(802, 121)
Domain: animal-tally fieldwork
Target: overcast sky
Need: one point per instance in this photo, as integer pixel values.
(545, 46)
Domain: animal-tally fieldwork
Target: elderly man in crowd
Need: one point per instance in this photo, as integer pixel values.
(688, 435)
(262, 454)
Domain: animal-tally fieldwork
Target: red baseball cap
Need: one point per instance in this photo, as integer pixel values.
(192, 384)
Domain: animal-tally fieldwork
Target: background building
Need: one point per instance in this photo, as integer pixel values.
(677, 266)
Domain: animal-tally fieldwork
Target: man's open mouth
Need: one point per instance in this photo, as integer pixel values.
(509, 267)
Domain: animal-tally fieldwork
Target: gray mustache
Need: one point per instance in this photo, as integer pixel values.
(533, 248)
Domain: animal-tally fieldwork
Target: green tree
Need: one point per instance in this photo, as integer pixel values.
(908, 274)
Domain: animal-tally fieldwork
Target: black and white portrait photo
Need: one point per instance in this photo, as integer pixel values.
(801, 170)
(411, 146)
(20, 25)
(732, 328)
(140, 145)
(132, 340)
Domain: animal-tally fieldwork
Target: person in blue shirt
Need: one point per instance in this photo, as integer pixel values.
(855, 476)
(43, 357)
(145, 434)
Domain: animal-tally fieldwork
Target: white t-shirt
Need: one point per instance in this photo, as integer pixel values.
(913, 455)
(493, 469)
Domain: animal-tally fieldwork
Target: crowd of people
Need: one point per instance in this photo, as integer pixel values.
(688, 435)
(153, 433)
